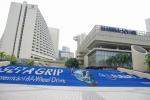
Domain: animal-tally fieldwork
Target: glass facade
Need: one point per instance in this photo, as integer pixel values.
(110, 58)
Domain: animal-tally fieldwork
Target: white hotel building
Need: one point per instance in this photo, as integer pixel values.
(26, 34)
(103, 42)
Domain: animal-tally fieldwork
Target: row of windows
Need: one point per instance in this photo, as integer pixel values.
(44, 39)
(41, 40)
(36, 42)
(42, 49)
(41, 43)
(44, 53)
(40, 35)
(39, 31)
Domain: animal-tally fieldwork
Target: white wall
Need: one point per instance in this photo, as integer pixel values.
(54, 32)
(147, 21)
(26, 44)
(8, 37)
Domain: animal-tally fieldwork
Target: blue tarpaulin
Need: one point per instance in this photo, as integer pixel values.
(35, 75)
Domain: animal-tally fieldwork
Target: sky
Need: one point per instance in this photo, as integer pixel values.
(73, 17)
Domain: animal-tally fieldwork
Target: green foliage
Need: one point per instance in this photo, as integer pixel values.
(147, 59)
(72, 63)
(30, 63)
(2, 55)
(13, 59)
(10, 57)
(120, 59)
(13, 62)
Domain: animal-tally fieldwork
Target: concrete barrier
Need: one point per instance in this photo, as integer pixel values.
(4, 63)
(133, 72)
(138, 59)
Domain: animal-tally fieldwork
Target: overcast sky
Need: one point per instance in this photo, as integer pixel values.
(73, 17)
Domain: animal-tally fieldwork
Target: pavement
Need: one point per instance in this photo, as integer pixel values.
(39, 92)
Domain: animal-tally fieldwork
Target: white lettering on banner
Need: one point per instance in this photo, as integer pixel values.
(33, 79)
(57, 80)
(59, 72)
(9, 69)
(1, 70)
(54, 72)
(40, 71)
(27, 70)
(115, 76)
(49, 72)
(19, 69)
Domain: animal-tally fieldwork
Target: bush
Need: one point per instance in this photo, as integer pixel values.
(72, 63)
(120, 59)
(13, 62)
(30, 63)
(147, 58)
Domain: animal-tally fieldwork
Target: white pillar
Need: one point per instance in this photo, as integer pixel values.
(138, 58)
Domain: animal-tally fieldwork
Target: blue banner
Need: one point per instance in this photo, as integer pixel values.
(35, 75)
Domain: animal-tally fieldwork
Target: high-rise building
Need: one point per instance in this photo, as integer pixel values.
(79, 38)
(26, 33)
(65, 49)
(65, 53)
(54, 32)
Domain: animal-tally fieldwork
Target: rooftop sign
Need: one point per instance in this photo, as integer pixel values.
(118, 30)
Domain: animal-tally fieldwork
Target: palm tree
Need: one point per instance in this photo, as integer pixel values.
(114, 60)
(109, 61)
(120, 59)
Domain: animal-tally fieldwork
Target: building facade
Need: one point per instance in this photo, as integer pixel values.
(26, 33)
(104, 42)
(79, 38)
(65, 49)
(65, 53)
(54, 32)
(147, 22)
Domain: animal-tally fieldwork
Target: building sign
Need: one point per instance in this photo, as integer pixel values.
(119, 30)
(34, 75)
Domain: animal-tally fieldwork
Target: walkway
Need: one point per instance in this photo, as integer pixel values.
(29, 92)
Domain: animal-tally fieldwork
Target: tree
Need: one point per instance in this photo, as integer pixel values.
(147, 59)
(13, 59)
(7, 57)
(2, 55)
(30, 63)
(120, 59)
(72, 63)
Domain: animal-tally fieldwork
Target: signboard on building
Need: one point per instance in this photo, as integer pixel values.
(118, 30)
(34, 75)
